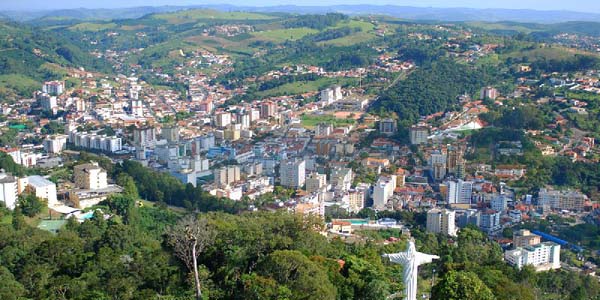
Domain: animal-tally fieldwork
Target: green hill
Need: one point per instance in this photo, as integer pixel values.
(25, 53)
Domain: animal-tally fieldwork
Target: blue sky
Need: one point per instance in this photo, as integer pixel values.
(577, 5)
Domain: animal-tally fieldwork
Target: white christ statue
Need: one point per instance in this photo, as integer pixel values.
(410, 260)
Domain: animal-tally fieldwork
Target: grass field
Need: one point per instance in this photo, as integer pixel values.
(92, 27)
(282, 35)
(188, 16)
(302, 87)
(557, 53)
(366, 33)
(310, 121)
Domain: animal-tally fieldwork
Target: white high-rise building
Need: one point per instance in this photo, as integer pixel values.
(48, 103)
(90, 176)
(41, 187)
(223, 119)
(9, 190)
(55, 144)
(137, 108)
(441, 221)
(292, 173)
(459, 192)
(384, 189)
(543, 256)
(53, 87)
(341, 178)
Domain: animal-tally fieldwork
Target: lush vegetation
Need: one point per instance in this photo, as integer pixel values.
(429, 90)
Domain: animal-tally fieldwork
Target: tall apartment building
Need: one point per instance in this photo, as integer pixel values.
(489, 93)
(144, 137)
(227, 175)
(53, 87)
(9, 190)
(292, 173)
(268, 109)
(388, 126)
(383, 190)
(90, 176)
(40, 187)
(418, 135)
(137, 108)
(441, 221)
(170, 133)
(523, 238)
(356, 200)
(543, 256)
(499, 203)
(55, 144)
(459, 192)
(564, 200)
(222, 119)
(315, 182)
(489, 221)
(341, 178)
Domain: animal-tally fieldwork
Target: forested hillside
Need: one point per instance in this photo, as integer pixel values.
(29, 56)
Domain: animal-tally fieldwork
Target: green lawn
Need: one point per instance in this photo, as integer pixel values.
(554, 53)
(193, 15)
(311, 121)
(282, 35)
(302, 87)
(93, 27)
(366, 33)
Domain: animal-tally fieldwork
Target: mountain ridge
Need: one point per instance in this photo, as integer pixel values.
(405, 12)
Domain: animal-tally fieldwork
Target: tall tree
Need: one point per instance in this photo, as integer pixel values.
(189, 237)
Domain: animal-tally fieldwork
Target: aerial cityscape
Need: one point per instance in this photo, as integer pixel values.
(332, 151)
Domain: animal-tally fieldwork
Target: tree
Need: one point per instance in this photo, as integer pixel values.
(461, 285)
(10, 289)
(189, 237)
(30, 204)
(302, 276)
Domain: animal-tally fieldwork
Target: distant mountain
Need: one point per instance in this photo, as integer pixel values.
(404, 12)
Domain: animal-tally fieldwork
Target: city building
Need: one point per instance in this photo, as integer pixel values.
(489, 221)
(383, 190)
(9, 190)
(459, 192)
(523, 238)
(388, 126)
(55, 144)
(144, 137)
(341, 178)
(489, 93)
(40, 187)
(48, 103)
(441, 221)
(418, 135)
(268, 109)
(170, 133)
(316, 182)
(356, 200)
(292, 173)
(55, 88)
(222, 119)
(90, 176)
(499, 203)
(563, 200)
(227, 175)
(137, 108)
(543, 256)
